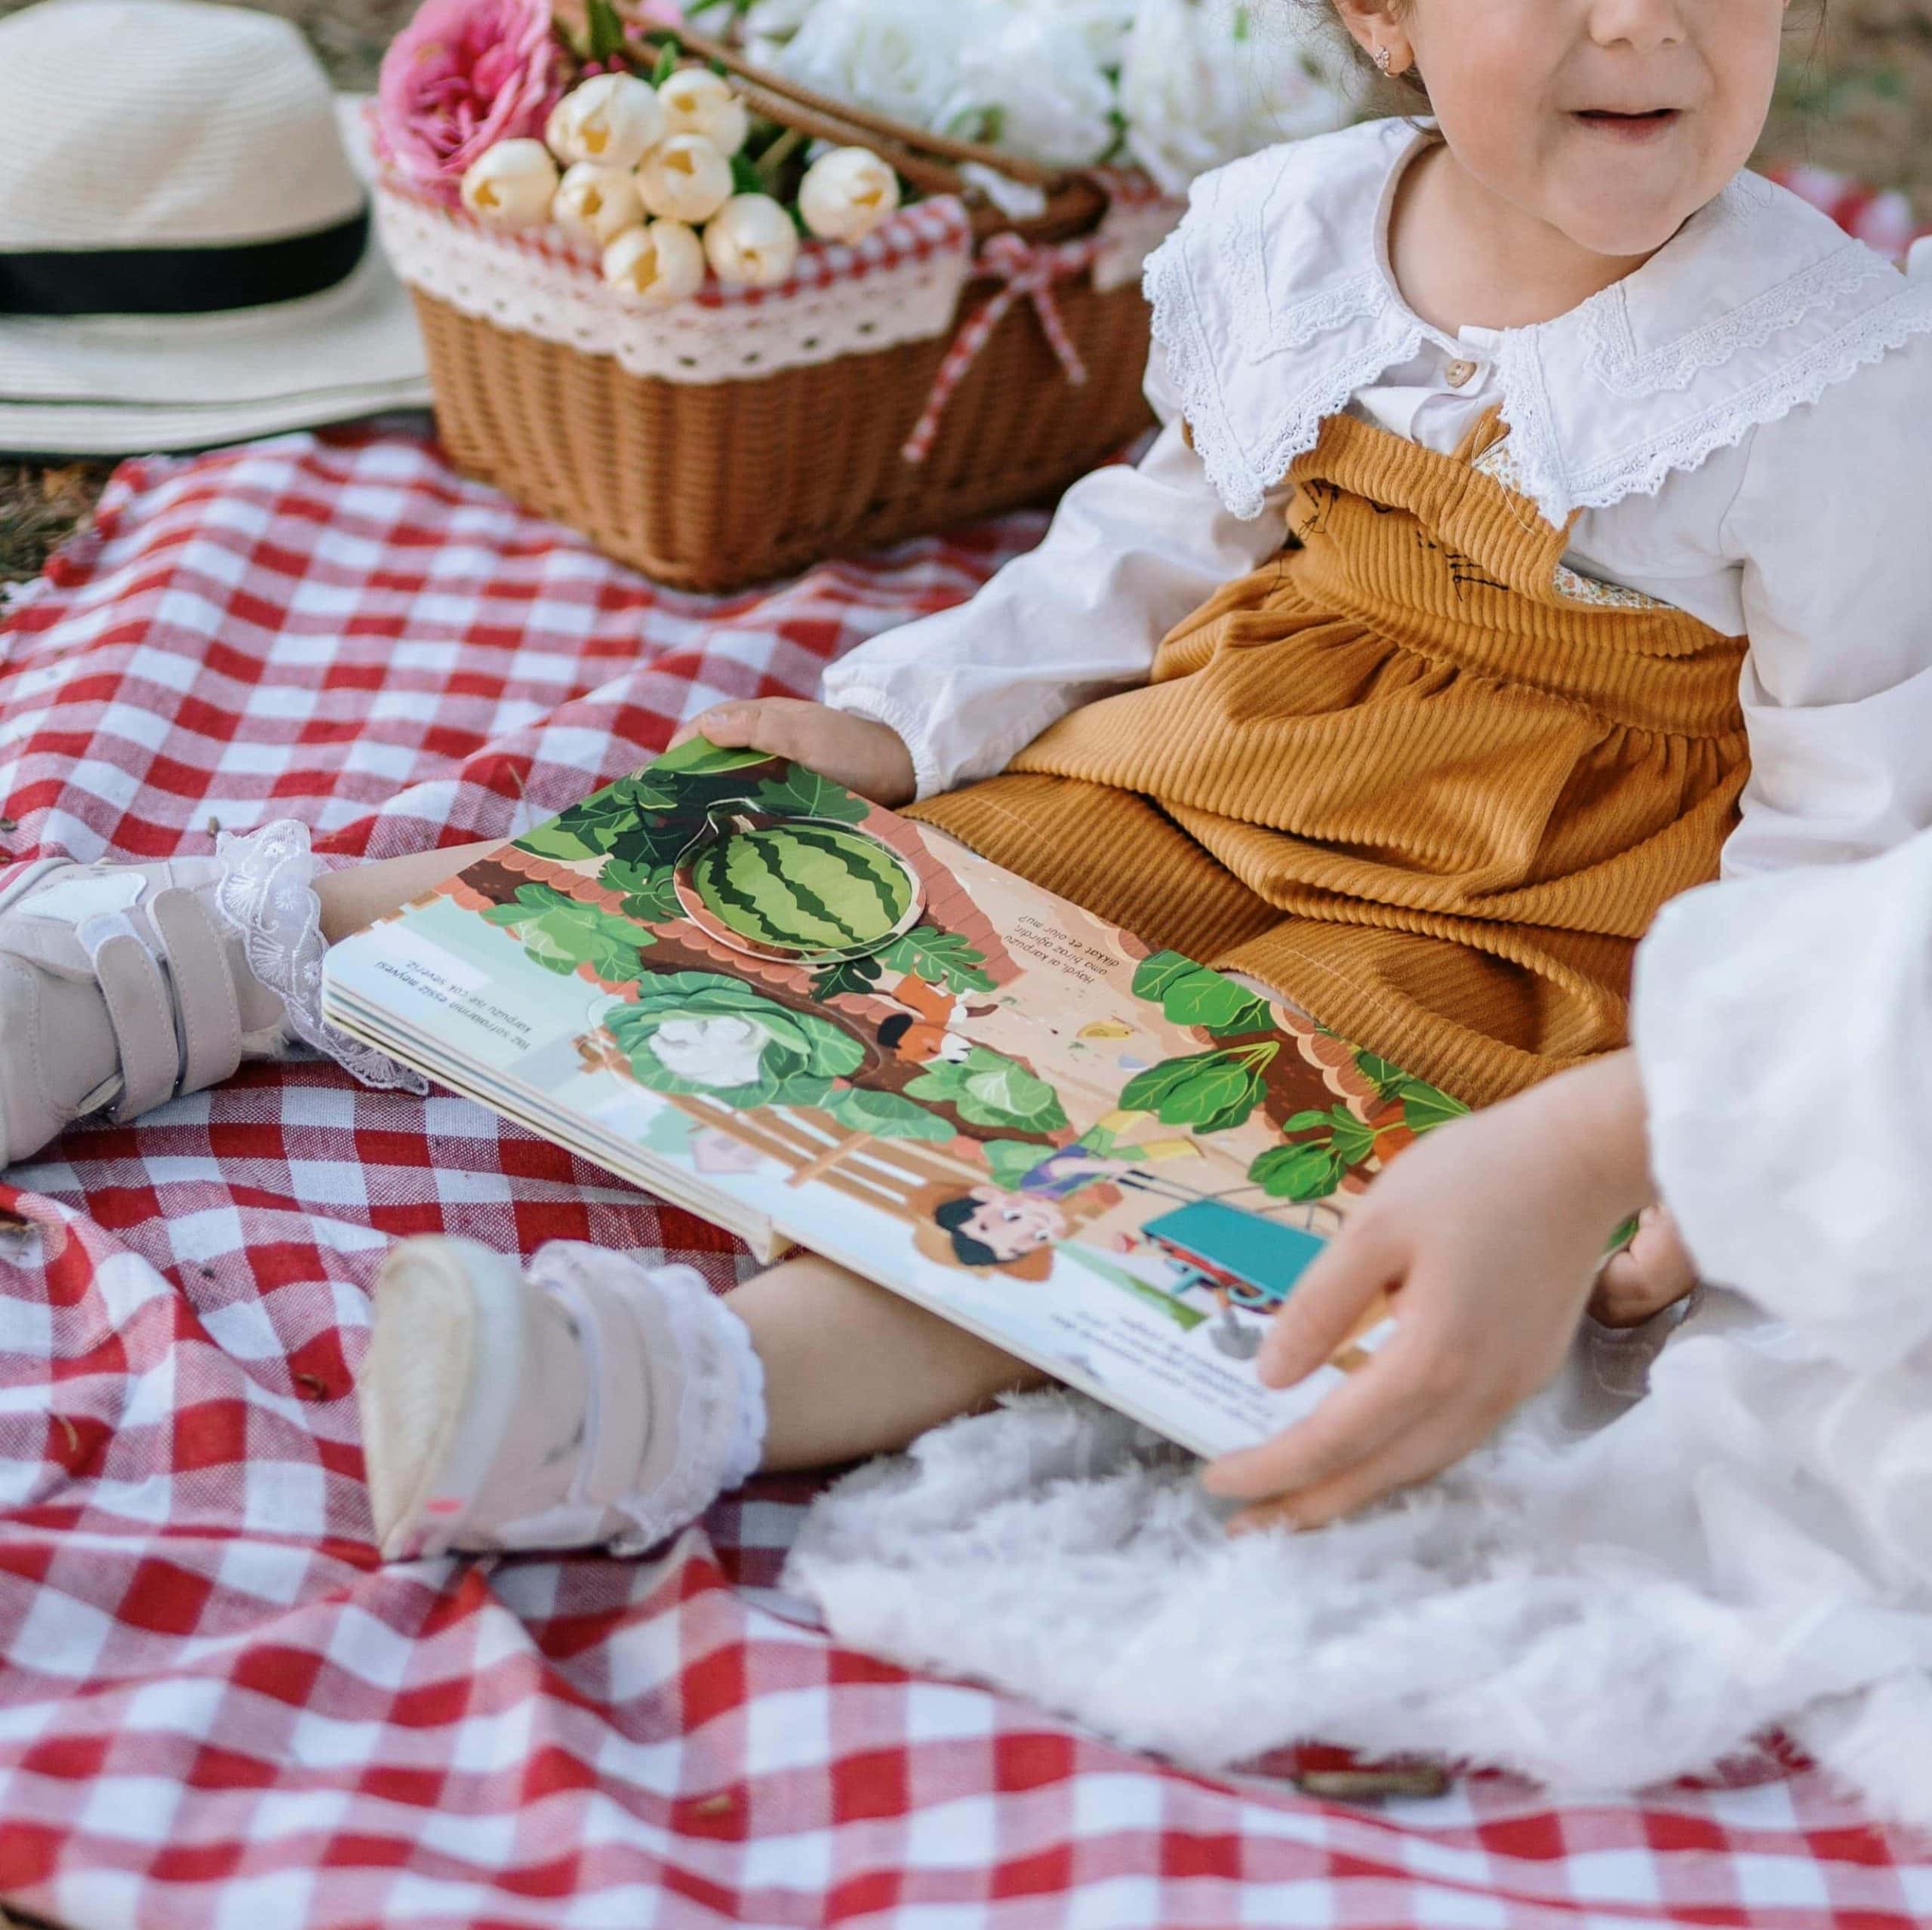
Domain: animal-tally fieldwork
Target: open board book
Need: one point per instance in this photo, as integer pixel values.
(735, 984)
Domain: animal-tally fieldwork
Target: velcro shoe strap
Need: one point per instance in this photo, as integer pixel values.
(204, 1000)
(142, 1014)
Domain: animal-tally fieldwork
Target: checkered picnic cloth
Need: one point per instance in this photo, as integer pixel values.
(216, 1709)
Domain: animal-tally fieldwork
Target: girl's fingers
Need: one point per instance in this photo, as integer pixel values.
(1372, 1406)
(1411, 1456)
(732, 726)
(1328, 1299)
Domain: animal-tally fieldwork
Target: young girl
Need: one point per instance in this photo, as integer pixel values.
(1535, 520)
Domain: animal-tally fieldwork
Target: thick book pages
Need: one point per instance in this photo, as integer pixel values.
(736, 984)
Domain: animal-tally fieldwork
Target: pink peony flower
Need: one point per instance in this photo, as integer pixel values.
(461, 76)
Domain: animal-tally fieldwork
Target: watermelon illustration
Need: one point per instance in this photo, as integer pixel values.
(802, 889)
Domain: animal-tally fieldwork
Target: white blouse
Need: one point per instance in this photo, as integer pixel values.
(1743, 427)
(1784, 1028)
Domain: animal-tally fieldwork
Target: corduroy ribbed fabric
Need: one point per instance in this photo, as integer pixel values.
(1398, 774)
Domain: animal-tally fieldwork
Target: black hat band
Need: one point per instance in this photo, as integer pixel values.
(207, 280)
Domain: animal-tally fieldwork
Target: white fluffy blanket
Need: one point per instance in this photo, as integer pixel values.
(1617, 1591)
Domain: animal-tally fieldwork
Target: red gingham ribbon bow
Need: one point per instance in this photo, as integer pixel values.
(1023, 270)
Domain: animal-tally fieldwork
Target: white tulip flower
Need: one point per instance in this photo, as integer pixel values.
(596, 203)
(687, 179)
(846, 194)
(510, 185)
(697, 101)
(658, 265)
(611, 121)
(750, 242)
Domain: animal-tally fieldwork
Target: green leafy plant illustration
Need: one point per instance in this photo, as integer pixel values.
(560, 934)
(1324, 1148)
(1009, 1161)
(650, 892)
(942, 958)
(1213, 1092)
(613, 817)
(847, 978)
(700, 1033)
(698, 757)
(804, 793)
(793, 1057)
(886, 1116)
(1424, 1107)
(989, 1089)
(1191, 994)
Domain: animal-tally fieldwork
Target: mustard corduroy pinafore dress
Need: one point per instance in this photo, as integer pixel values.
(1410, 774)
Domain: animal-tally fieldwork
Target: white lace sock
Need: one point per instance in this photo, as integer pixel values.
(660, 1328)
(266, 892)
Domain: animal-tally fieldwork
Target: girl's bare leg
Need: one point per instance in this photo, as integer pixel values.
(851, 1370)
(360, 894)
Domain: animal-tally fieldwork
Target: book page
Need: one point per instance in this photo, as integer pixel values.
(734, 979)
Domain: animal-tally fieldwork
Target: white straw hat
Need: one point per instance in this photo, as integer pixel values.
(185, 252)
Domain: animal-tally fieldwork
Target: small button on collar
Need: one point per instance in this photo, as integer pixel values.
(1458, 373)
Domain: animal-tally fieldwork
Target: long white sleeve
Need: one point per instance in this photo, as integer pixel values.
(1130, 552)
(1784, 1028)
(1830, 521)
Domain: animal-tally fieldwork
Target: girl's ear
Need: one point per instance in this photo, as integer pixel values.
(1375, 27)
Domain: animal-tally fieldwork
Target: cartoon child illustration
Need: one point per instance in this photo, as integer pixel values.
(1016, 1228)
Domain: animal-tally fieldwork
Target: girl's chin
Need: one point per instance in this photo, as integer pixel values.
(1626, 228)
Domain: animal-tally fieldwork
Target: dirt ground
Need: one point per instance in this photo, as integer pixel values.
(1856, 96)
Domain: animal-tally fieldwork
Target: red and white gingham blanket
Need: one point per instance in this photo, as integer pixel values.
(216, 1709)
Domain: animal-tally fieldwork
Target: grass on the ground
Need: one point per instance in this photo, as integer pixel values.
(40, 507)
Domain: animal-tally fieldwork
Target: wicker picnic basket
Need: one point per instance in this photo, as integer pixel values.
(953, 363)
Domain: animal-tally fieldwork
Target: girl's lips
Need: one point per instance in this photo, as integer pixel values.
(1631, 128)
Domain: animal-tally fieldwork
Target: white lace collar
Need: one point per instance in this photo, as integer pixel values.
(1273, 304)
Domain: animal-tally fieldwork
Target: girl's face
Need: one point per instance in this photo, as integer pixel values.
(1611, 121)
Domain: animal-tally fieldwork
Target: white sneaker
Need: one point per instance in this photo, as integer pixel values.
(594, 1403)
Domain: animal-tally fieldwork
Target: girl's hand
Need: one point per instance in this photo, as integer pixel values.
(1654, 1271)
(869, 758)
(1489, 1233)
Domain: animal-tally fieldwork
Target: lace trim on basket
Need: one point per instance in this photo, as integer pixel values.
(557, 294)
(266, 892)
(721, 1421)
(565, 301)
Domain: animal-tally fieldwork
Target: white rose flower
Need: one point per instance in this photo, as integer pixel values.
(1104, 25)
(510, 185)
(1033, 80)
(1204, 82)
(612, 120)
(596, 203)
(697, 101)
(765, 25)
(899, 57)
(750, 242)
(686, 179)
(658, 265)
(846, 194)
(775, 19)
